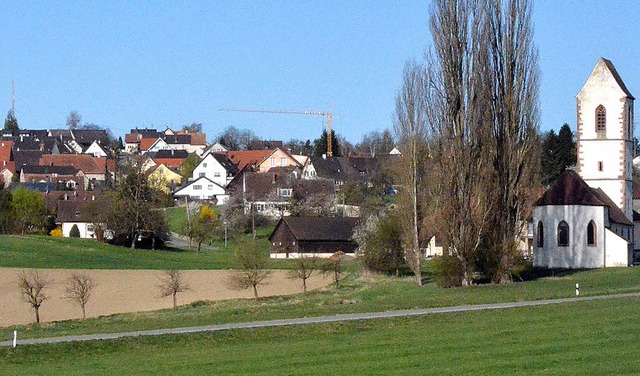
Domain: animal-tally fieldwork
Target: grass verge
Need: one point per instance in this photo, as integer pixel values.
(578, 338)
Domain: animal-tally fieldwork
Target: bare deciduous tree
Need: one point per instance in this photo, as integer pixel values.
(79, 288)
(334, 267)
(32, 285)
(251, 267)
(171, 283)
(411, 128)
(304, 268)
(513, 84)
(458, 112)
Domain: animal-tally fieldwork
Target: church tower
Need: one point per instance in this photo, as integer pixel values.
(605, 135)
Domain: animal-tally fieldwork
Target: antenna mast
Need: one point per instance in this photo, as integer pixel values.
(13, 99)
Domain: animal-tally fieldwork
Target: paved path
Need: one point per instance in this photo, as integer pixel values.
(317, 320)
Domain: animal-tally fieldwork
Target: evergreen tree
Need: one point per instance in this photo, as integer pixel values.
(75, 232)
(558, 153)
(320, 145)
(11, 123)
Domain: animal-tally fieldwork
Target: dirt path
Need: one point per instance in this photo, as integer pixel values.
(120, 291)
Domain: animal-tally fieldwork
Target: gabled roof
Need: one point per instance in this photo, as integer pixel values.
(180, 154)
(570, 189)
(26, 157)
(225, 163)
(138, 134)
(608, 65)
(177, 139)
(147, 143)
(328, 167)
(42, 170)
(242, 158)
(319, 228)
(87, 136)
(199, 180)
(5, 153)
(87, 163)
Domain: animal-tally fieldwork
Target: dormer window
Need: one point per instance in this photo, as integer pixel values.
(601, 121)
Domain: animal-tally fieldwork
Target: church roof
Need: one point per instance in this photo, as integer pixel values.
(617, 77)
(570, 189)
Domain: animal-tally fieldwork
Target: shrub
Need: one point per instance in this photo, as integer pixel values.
(56, 232)
(447, 271)
(75, 232)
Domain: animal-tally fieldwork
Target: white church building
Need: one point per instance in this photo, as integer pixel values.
(585, 219)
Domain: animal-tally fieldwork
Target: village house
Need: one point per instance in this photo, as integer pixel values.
(203, 189)
(295, 237)
(217, 168)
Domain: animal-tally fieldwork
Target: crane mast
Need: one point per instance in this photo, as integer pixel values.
(329, 116)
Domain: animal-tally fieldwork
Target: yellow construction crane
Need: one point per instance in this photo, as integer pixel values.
(321, 113)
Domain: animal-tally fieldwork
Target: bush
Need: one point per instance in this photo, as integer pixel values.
(447, 271)
(56, 232)
(75, 232)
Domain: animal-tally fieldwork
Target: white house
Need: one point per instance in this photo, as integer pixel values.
(203, 188)
(585, 220)
(96, 150)
(217, 168)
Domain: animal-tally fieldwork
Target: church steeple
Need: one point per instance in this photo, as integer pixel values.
(605, 134)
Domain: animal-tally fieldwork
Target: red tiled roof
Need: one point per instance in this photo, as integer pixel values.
(87, 163)
(243, 158)
(169, 162)
(5, 153)
(146, 143)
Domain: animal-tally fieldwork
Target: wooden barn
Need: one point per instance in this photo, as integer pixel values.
(312, 236)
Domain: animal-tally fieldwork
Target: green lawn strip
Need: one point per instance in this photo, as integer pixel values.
(578, 338)
(67, 253)
(355, 296)
(176, 218)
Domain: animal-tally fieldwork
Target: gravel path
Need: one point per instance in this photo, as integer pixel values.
(319, 319)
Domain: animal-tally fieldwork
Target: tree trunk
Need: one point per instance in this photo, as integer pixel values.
(84, 312)
(304, 285)
(37, 309)
(175, 302)
(255, 292)
(133, 240)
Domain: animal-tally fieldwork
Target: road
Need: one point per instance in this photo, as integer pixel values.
(316, 320)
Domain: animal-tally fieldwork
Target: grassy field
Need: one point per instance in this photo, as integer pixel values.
(48, 252)
(356, 295)
(579, 338)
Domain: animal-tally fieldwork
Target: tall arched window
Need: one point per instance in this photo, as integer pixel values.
(601, 121)
(591, 234)
(563, 234)
(540, 235)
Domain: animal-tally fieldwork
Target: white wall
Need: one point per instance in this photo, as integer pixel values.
(617, 251)
(577, 254)
(86, 229)
(208, 168)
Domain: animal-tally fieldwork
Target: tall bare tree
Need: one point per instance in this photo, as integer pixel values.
(410, 126)
(457, 109)
(79, 288)
(513, 89)
(32, 285)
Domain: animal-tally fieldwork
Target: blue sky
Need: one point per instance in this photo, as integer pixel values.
(157, 64)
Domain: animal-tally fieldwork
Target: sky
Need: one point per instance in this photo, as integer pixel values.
(123, 65)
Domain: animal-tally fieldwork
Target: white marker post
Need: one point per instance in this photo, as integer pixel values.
(15, 338)
(577, 289)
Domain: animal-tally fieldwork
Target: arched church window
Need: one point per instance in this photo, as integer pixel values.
(601, 121)
(591, 234)
(540, 235)
(563, 234)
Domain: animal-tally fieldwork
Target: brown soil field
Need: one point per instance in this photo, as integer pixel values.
(121, 291)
